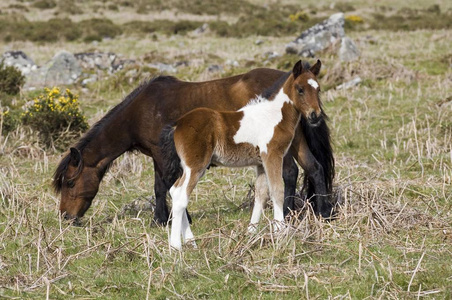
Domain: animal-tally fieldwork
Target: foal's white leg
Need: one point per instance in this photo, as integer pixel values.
(260, 198)
(273, 168)
(179, 196)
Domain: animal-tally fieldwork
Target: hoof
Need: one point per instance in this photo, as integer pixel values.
(329, 214)
(191, 243)
(252, 228)
(278, 226)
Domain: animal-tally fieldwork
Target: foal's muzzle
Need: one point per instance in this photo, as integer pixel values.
(314, 119)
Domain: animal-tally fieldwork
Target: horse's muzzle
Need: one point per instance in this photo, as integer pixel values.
(314, 120)
(73, 220)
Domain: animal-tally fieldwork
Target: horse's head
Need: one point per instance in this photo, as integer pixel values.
(304, 92)
(77, 183)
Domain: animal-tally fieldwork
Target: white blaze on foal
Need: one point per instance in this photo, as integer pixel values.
(313, 83)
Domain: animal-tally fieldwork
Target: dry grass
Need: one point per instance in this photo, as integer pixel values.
(392, 239)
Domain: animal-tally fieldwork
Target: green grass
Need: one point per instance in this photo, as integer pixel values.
(392, 139)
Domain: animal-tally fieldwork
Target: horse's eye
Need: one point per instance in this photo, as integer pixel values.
(70, 184)
(300, 90)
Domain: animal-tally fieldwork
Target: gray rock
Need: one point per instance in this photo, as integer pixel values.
(271, 55)
(259, 42)
(162, 67)
(118, 64)
(86, 81)
(318, 37)
(19, 60)
(202, 29)
(349, 84)
(62, 69)
(96, 60)
(348, 50)
(232, 63)
(215, 68)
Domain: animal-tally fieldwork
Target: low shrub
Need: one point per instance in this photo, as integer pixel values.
(55, 115)
(9, 120)
(44, 4)
(164, 26)
(97, 29)
(299, 16)
(353, 22)
(11, 79)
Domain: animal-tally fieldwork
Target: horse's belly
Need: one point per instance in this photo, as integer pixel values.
(239, 156)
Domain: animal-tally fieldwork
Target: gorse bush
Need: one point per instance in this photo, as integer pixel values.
(11, 79)
(55, 116)
(9, 120)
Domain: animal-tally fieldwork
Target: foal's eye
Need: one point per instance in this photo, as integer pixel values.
(70, 184)
(300, 90)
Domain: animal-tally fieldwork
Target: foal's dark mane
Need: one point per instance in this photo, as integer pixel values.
(97, 128)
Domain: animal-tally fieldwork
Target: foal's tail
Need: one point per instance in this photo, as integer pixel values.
(171, 161)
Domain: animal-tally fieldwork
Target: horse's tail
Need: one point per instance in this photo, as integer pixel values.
(171, 161)
(319, 142)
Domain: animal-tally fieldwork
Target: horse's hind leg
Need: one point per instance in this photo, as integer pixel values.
(180, 193)
(260, 198)
(161, 213)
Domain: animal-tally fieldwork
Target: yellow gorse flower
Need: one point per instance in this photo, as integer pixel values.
(354, 19)
(54, 106)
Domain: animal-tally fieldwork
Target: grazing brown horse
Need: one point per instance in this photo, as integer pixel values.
(258, 134)
(136, 124)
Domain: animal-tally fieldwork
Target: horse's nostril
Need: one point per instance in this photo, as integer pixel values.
(313, 116)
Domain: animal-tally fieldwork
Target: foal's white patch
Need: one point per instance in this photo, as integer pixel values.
(313, 83)
(260, 119)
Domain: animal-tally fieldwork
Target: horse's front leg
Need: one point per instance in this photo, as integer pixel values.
(273, 163)
(180, 193)
(290, 176)
(315, 183)
(260, 198)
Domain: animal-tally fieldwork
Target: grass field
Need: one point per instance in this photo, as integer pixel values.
(392, 139)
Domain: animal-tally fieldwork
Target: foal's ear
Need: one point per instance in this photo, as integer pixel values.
(315, 69)
(297, 69)
(76, 157)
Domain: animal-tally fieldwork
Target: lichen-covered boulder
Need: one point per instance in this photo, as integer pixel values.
(62, 69)
(318, 37)
(19, 60)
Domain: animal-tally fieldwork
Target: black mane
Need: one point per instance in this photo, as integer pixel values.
(319, 142)
(94, 131)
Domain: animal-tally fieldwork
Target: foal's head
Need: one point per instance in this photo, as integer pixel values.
(77, 183)
(304, 91)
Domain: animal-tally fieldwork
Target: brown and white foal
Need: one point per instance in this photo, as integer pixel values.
(258, 135)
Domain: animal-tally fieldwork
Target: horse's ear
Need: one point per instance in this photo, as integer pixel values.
(297, 69)
(315, 69)
(76, 157)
